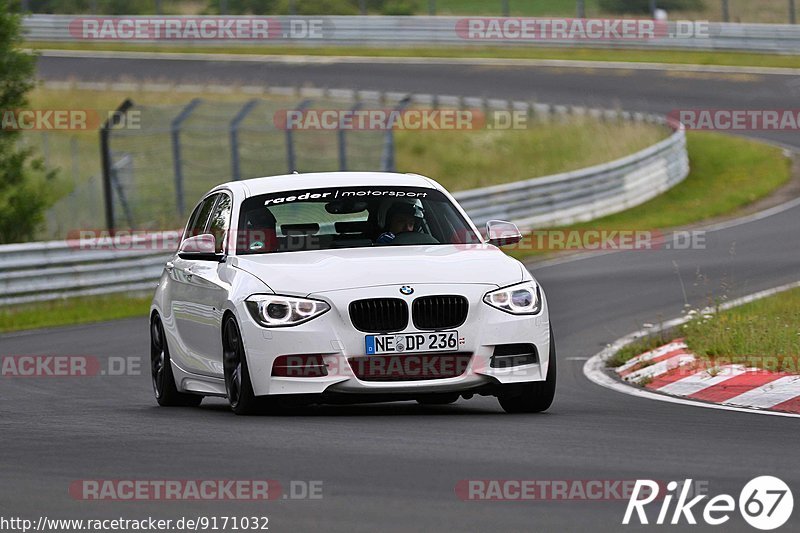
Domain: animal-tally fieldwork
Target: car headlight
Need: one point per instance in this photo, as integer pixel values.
(274, 311)
(520, 299)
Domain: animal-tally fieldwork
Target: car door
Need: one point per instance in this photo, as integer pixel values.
(208, 291)
(186, 293)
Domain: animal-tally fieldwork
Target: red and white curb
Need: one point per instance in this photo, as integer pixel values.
(744, 390)
(672, 369)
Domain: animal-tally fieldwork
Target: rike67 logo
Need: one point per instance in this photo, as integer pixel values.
(765, 503)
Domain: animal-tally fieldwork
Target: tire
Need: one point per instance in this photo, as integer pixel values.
(532, 397)
(438, 399)
(237, 376)
(167, 394)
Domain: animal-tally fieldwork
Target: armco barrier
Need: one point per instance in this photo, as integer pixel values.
(50, 270)
(426, 30)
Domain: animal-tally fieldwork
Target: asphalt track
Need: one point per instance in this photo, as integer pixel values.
(394, 467)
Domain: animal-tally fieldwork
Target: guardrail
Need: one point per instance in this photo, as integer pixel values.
(42, 271)
(51, 270)
(436, 30)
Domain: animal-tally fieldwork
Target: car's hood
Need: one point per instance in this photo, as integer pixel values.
(301, 273)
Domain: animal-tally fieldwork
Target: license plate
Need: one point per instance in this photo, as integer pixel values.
(440, 341)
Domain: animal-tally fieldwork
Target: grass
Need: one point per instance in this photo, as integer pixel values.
(679, 57)
(462, 160)
(80, 310)
(638, 347)
(727, 173)
(763, 334)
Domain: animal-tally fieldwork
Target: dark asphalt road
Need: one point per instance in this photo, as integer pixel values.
(394, 467)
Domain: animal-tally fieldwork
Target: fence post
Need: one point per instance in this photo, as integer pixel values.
(105, 158)
(653, 8)
(726, 15)
(290, 157)
(343, 140)
(581, 9)
(73, 157)
(175, 131)
(237, 120)
(792, 12)
(387, 163)
(46, 148)
(506, 10)
(431, 7)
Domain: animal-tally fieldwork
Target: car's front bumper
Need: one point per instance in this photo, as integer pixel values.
(333, 337)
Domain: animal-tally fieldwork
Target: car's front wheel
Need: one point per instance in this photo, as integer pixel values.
(167, 394)
(237, 376)
(532, 397)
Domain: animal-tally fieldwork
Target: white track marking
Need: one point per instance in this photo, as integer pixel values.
(769, 395)
(595, 367)
(701, 381)
(661, 367)
(653, 354)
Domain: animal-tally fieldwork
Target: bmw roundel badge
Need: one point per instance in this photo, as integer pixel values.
(406, 289)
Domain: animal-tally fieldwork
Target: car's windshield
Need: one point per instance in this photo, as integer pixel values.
(349, 217)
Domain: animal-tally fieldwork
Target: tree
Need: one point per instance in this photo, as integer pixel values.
(24, 183)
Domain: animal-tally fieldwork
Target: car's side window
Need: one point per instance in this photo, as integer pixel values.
(197, 225)
(220, 222)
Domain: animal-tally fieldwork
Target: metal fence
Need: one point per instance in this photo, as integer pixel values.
(180, 152)
(51, 270)
(161, 159)
(437, 31)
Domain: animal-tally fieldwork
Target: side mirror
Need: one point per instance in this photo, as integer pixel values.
(501, 233)
(202, 247)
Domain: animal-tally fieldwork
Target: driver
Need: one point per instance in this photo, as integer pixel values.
(401, 218)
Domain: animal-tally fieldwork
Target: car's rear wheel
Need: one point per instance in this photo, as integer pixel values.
(167, 394)
(237, 376)
(532, 397)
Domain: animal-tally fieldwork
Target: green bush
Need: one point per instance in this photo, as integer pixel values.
(101, 7)
(643, 6)
(24, 183)
(399, 7)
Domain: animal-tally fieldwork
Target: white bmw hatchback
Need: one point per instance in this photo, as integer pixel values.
(347, 287)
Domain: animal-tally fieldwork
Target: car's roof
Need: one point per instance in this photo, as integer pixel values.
(316, 180)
